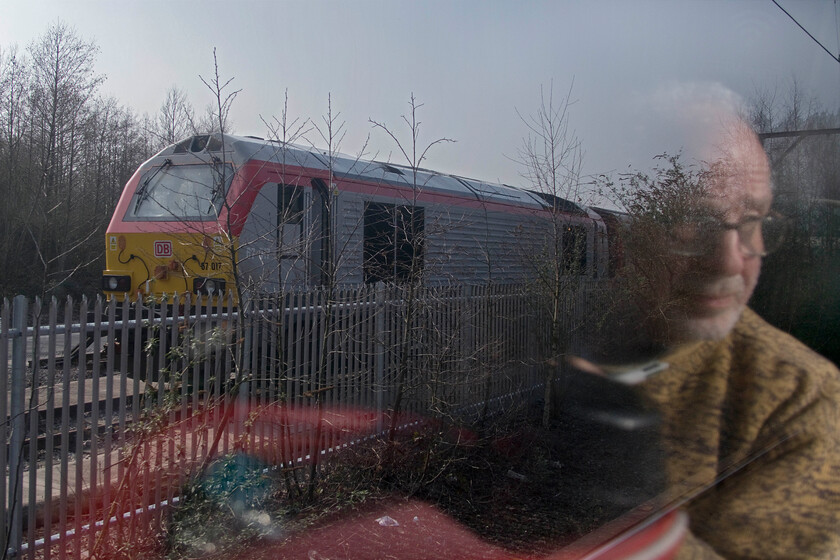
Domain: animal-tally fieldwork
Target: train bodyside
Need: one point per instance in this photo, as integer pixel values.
(286, 214)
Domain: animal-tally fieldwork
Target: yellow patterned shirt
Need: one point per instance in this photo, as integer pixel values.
(761, 404)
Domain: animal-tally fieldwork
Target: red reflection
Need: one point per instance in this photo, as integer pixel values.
(158, 466)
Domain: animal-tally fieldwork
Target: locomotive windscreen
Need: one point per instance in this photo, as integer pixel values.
(180, 192)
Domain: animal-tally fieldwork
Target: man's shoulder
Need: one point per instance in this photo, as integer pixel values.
(755, 339)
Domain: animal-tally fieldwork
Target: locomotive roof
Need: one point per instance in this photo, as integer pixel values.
(346, 166)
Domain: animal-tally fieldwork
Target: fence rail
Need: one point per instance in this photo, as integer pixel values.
(105, 417)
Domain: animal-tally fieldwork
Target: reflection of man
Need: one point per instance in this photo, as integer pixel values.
(723, 245)
(740, 395)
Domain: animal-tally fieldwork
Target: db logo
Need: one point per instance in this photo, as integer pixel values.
(163, 249)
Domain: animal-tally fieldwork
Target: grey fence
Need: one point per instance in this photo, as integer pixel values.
(110, 406)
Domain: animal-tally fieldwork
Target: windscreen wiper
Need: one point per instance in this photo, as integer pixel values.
(143, 192)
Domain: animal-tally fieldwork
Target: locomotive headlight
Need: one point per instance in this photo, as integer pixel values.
(208, 286)
(114, 283)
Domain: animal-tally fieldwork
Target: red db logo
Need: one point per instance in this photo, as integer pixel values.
(163, 249)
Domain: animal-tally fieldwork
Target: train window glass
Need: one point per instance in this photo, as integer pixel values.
(290, 221)
(290, 207)
(182, 146)
(379, 242)
(557, 204)
(391, 169)
(199, 143)
(574, 250)
(393, 242)
(214, 144)
(410, 223)
(180, 192)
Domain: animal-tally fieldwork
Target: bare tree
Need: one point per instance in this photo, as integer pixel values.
(14, 180)
(551, 157)
(63, 82)
(224, 98)
(60, 120)
(410, 232)
(61, 163)
(175, 119)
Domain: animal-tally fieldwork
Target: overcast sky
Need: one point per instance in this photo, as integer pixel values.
(472, 64)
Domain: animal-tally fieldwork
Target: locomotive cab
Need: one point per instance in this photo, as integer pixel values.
(167, 234)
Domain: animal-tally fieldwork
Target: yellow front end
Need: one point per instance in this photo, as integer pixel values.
(161, 265)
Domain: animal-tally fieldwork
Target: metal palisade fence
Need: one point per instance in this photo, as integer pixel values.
(112, 405)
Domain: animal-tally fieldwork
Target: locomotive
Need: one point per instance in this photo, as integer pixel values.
(217, 212)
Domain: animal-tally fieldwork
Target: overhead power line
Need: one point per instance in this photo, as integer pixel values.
(836, 59)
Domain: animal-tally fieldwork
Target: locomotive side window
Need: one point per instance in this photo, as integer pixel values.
(393, 241)
(180, 192)
(574, 250)
(410, 240)
(289, 221)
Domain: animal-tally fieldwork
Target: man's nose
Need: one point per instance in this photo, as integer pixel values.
(728, 256)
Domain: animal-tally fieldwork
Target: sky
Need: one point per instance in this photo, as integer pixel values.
(475, 67)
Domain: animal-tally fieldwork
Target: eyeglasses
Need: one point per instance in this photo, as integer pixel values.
(757, 236)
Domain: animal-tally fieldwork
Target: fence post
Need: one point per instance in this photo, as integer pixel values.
(18, 424)
(379, 362)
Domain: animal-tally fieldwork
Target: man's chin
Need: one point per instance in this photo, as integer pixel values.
(715, 327)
